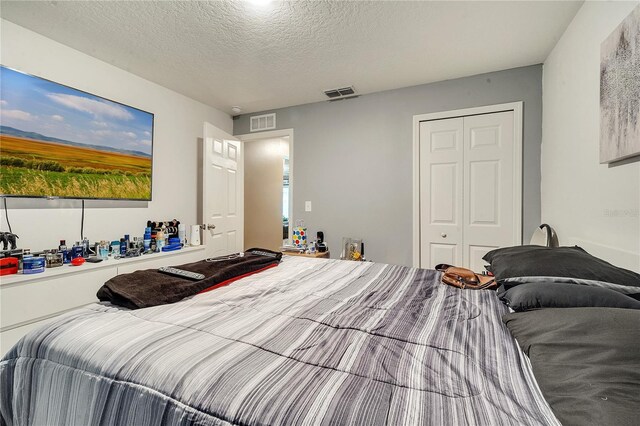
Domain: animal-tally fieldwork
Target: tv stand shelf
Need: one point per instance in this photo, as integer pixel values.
(49, 273)
(28, 301)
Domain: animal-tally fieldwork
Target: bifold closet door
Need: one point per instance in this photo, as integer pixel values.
(489, 209)
(441, 196)
(467, 189)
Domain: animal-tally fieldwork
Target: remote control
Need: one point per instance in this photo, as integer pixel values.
(263, 253)
(181, 273)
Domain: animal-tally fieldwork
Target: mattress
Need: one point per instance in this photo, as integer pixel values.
(312, 342)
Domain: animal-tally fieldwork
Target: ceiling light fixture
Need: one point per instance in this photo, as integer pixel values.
(236, 109)
(260, 3)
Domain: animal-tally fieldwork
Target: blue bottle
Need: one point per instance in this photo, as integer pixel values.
(147, 239)
(76, 250)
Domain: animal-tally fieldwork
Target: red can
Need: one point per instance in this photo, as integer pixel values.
(8, 265)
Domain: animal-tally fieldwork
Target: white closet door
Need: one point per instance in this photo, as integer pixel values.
(441, 197)
(470, 188)
(489, 209)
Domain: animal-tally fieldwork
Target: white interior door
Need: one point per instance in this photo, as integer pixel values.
(223, 193)
(469, 188)
(441, 198)
(488, 186)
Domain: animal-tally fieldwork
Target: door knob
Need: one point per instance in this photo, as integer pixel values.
(443, 235)
(208, 226)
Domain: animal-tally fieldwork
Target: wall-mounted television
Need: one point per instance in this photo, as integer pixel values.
(60, 142)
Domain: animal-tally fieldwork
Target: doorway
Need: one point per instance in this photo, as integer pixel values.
(268, 184)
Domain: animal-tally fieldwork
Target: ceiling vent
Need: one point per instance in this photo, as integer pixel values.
(340, 94)
(262, 122)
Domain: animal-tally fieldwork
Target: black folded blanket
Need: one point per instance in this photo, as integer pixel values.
(142, 289)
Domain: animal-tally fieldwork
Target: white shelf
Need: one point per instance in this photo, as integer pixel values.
(56, 272)
(29, 301)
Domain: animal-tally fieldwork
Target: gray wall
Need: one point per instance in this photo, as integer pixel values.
(353, 158)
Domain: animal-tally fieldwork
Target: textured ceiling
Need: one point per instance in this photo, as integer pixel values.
(226, 53)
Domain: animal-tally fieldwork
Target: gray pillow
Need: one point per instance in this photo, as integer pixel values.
(523, 264)
(585, 360)
(526, 297)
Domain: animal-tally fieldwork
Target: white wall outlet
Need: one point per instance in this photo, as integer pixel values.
(307, 206)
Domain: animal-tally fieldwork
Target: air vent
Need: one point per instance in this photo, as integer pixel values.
(262, 122)
(342, 93)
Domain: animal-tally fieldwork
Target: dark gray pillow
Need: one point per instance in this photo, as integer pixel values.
(571, 263)
(526, 297)
(585, 360)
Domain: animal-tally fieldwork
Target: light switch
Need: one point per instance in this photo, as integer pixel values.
(307, 206)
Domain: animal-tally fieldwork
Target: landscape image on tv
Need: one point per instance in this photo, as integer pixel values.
(56, 141)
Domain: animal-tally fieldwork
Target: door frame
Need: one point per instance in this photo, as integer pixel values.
(517, 108)
(272, 134)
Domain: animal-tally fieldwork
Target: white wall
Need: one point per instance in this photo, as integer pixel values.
(178, 125)
(590, 204)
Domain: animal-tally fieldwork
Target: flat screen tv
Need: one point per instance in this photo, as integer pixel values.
(59, 142)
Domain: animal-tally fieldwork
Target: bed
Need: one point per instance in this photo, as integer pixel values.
(311, 341)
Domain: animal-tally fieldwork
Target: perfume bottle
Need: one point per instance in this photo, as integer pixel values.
(66, 255)
(86, 251)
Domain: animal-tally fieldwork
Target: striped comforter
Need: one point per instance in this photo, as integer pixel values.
(309, 342)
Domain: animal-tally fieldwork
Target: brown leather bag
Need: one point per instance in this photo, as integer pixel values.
(465, 278)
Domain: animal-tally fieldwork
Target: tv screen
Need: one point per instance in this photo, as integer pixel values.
(56, 141)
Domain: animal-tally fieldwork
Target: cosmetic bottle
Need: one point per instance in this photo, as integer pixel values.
(147, 239)
(160, 241)
(76, 250)
(86, 252)
(182, 234)
(62, 248)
